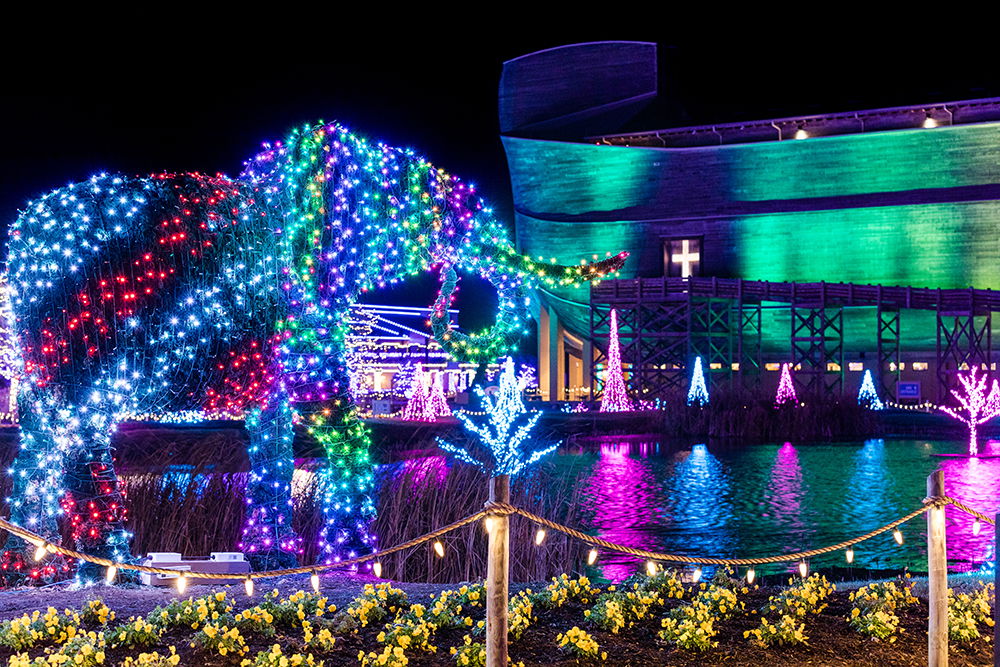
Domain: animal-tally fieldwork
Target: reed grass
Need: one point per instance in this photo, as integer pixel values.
(429, 494)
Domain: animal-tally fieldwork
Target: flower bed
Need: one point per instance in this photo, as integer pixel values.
(643, 621)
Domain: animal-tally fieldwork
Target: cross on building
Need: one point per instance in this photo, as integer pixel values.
(688, 257)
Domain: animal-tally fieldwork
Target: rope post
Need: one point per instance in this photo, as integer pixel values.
(937, 577)
(497, 576)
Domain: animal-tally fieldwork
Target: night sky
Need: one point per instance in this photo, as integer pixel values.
(139, 113)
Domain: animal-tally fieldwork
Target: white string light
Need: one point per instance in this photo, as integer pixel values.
(182, 584)
(751, 575)
(696, 576)
(592, 557)
(897, 535)
(109, 577)
(248, 584)
(976, 526)
(849, 554)
(539, 537)
(650, 568)
(314, 580)
(439, 548)
(377, 569)
(803, 568)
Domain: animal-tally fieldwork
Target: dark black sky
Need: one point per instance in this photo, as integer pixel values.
(150, 109)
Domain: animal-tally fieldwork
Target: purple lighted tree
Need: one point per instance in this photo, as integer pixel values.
(786, 390)
(979, 406)
(615, 397)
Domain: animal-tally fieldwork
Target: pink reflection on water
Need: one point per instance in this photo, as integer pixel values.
(784, 494)
(623, 489)
(975, 482)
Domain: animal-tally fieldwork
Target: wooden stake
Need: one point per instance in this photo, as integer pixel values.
(937, 578)
(497, 576)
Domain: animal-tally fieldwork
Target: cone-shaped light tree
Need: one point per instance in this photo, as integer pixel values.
(615, 397)
(978, 406)
(867, 396)
(498, 450)
(698, 392)
(418, 407)
(437, 404)
(786, 389)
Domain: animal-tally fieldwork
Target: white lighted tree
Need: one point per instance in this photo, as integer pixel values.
(499, 450)
(978, 406)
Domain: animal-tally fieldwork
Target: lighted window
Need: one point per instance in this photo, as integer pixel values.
(682, 258)
(855, 366)
(893, 366)
(919, 365)
(832, 366)
(715, 367)
(773, 367)
(735, 365)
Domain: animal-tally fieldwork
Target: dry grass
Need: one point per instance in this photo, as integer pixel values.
(193, 513)
(428, 495)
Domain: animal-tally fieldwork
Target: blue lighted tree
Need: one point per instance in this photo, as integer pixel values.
(698, 393)
(499, 450)
(867, 396)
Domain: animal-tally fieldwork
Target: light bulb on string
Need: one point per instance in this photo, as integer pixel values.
(439, 548)
(592, 557)
(976, 526)
(897, 535)
(248, 584)
(182, 584)
(539, 537)
(803, 568)
(849, 554)
(696, 575)
(751, 575)
(377, 569)
(109, 577)
(650, 568)
(314, 580)
(40, 551)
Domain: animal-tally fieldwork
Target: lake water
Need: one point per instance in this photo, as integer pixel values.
(767, 499)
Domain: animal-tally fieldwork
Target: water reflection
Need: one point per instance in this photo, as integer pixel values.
(765, 499)
(976, 482)
(622, 497)
(697, 508)
(784, 498)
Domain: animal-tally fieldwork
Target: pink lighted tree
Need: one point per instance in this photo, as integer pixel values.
(418, 408)
(978, 406)
(615, 397)
(437, 404)
(786, 390)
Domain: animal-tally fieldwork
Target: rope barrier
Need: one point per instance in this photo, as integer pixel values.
(491, 509)
(305, 569)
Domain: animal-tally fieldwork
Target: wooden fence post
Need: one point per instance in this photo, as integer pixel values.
(937, 577)
(497, 576)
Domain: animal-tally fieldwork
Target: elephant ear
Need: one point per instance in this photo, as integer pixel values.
(489, 344)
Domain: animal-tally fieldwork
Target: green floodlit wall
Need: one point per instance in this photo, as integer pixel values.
(905, 207)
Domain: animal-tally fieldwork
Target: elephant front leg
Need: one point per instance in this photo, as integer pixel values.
(346, 480)
(268, 537)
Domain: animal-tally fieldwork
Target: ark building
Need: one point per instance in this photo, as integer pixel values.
(837, 243)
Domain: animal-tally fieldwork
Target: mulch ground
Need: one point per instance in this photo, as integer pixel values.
(831, 640)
